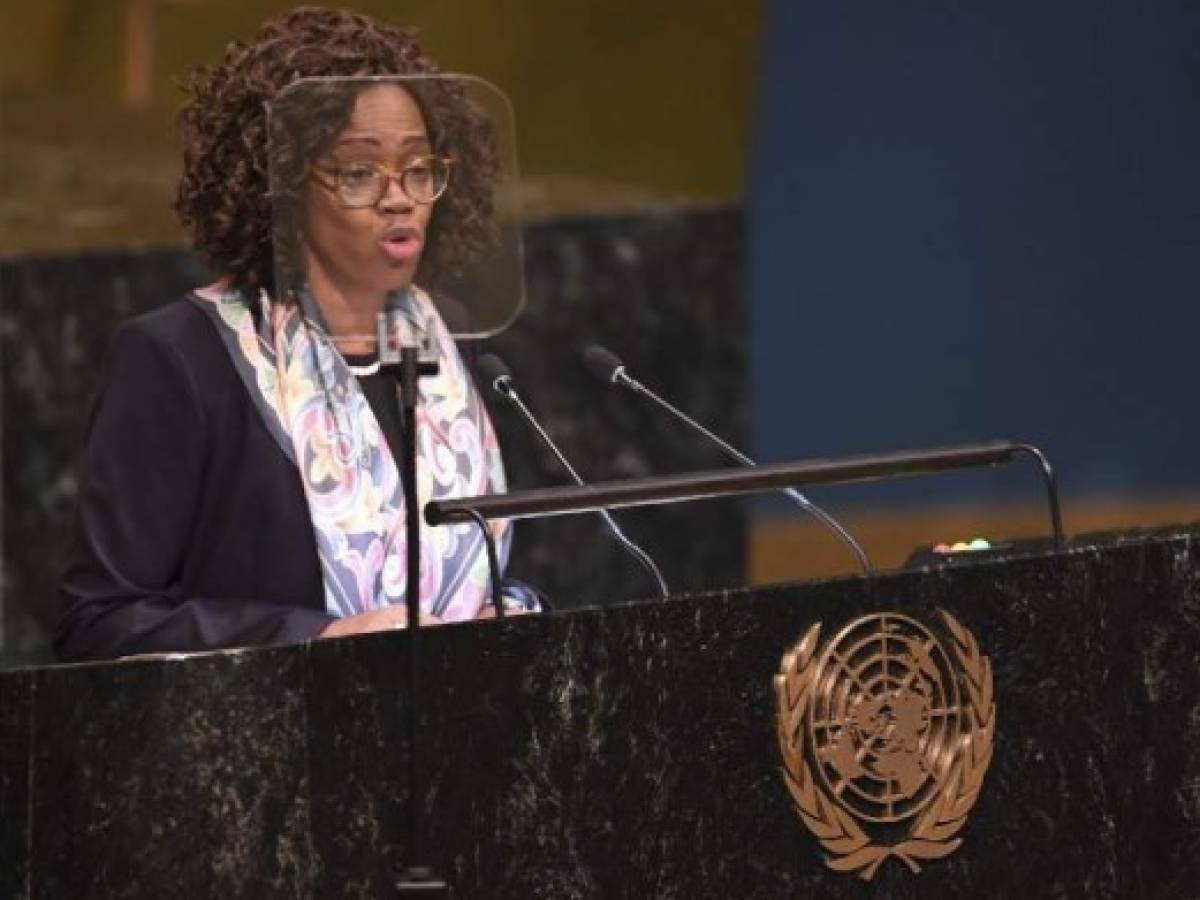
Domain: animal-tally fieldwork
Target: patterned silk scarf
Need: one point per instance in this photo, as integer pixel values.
(315, 409)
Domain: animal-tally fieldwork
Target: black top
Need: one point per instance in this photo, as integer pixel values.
(380, 389)
(193, 529)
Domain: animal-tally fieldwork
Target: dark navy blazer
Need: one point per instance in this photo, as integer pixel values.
(193, 530)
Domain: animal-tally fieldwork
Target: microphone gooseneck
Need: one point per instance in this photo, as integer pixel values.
(607, 366)
(499, 376)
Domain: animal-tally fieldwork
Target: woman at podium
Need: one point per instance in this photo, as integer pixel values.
(240, 485)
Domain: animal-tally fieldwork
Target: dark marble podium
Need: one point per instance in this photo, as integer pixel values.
(620, 752)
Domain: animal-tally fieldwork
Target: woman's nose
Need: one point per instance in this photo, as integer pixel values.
(394, 198)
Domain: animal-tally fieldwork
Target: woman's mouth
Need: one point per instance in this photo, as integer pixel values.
(401, 245)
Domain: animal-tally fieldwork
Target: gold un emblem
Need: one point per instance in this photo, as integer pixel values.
(885, 738)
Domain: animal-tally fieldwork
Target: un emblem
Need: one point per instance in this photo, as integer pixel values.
(886, 734)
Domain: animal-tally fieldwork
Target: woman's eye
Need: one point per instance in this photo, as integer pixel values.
(353, 175)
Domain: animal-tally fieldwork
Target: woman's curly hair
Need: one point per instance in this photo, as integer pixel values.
(225, 194)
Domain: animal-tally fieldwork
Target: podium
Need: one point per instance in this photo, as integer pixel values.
(630, 751)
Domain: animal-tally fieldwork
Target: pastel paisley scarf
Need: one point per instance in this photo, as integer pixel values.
(314, 407)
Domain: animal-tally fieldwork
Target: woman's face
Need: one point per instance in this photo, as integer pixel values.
(365, 252)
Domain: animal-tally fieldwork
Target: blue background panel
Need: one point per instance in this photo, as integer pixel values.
(972, 223)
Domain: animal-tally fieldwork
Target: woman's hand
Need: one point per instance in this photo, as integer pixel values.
(388, 618)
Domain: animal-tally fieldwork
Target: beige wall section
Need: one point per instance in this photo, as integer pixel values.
(62, 46)
(30, 36)
(621, 104)
(796, 548)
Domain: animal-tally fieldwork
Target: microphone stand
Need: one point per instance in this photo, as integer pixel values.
(620, 376)
(608, 368)
(404, 362)
(503, 385)
(540, 502)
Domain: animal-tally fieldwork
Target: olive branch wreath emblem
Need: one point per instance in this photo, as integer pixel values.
(934, 834)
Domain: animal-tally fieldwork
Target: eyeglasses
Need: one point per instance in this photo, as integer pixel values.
(362, 184)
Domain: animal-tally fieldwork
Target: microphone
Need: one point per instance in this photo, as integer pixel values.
(395, 331)
(607, 366)
(500, 377)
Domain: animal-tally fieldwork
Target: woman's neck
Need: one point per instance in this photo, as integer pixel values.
(347, 314)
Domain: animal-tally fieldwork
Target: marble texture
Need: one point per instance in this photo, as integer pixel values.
(665, 291)
(666, 294)
(16, 732)
(182, 778)
(627, 751)
(56, 317)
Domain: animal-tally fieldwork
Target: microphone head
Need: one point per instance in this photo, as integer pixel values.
(497, 373)
(603, 363)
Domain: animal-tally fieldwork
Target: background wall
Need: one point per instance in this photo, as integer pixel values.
(622, 104)
(974, 221)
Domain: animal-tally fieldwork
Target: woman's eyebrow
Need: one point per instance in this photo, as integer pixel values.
(365, 139)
